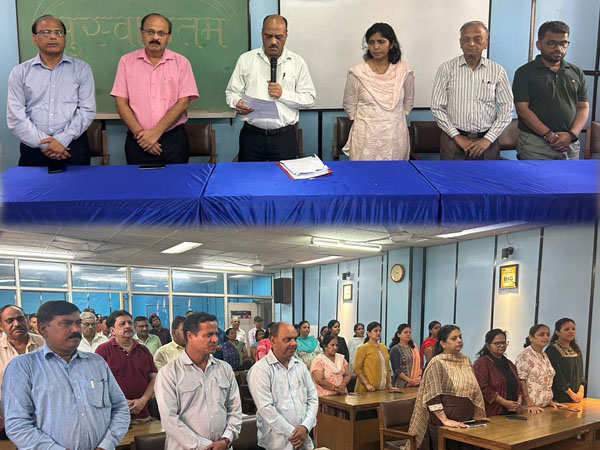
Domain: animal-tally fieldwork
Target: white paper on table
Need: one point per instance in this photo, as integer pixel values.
(263, 109)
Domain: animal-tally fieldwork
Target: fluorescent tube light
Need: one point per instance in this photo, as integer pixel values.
(183, 247)
(334, 243)
(230, 268)
(318, 260)
(479, 230)
(35, 254)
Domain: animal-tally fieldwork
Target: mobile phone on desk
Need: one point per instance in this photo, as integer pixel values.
(56, 166)
(151, 166)
(475, 423)
(394, 392)
(514, 417)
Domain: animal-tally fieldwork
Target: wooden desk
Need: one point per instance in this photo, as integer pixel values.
(552, 429)
(340, 433)
(139, 429)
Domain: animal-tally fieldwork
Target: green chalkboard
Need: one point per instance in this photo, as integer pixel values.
(210, 33)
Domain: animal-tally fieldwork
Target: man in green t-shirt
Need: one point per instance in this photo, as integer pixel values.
(550, 98)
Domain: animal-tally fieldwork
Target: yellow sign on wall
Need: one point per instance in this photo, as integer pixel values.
(509, 276)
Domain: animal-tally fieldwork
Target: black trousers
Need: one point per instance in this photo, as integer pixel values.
(78, 148)
(256, 146)
(174, 144)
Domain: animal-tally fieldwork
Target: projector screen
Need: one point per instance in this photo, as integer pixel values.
(328, 35)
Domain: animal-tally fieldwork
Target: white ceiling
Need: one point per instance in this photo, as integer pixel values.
(275, 249)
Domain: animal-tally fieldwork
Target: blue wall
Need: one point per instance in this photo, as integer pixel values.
(509, 43)
(461, 280)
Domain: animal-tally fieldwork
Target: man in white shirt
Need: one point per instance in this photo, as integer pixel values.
(292, 89)
(240, 334)
(173, 349)
(91, 340)
(472, 99)
(197, 395)
(284, 394)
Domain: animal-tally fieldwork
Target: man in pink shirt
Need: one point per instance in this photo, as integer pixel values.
(153, 89)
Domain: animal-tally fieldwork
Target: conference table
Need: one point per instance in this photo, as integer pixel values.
(553, 429)
(379, 193)
(349, 422)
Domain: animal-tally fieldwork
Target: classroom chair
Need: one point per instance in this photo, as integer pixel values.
(341, 131)
(394, 418)
(592, 141)
(97, 139)
(202, 140)
(508, 138)
(154, 441)
(424, 137)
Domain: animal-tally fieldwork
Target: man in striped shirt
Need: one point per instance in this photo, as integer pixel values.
(472, 100)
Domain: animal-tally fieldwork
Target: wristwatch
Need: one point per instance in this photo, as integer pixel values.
(227, 441)
(573, 137)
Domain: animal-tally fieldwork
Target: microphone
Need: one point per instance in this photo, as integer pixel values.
(273, 70)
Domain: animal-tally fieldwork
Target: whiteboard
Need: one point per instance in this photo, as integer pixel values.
(328, 35)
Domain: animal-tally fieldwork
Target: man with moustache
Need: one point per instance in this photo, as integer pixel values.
(471, 100)
(153, 88)
(50, 102)
(131, 363)
(284, 394)
(197, 394)
(270, 139)
(551, 99)
(142, 334)
(16, 341)
(59, 397)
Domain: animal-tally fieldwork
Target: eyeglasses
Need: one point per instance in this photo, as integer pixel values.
(46, 33)
(554, 44)
(88, 324)
(501, 343)
(151, 32)
(468, 40)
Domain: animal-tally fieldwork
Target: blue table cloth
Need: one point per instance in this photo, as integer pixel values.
(360, 193)
(102, 195)
(544, 192)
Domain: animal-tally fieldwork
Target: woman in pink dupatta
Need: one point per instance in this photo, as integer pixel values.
(378, 96)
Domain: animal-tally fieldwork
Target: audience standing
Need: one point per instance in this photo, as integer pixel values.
(284, 394)
(158, 330)
(91, 338)
(372, 363)
(565, 356)
(197, 395)
(173, 349)
(535, 370)
(61, 397)
(497, 376)
(449, 393)
(131, 363)
(405, 359)
(142, 334)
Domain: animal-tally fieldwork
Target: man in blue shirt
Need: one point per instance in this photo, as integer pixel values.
(58, 397)
(50, 101)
